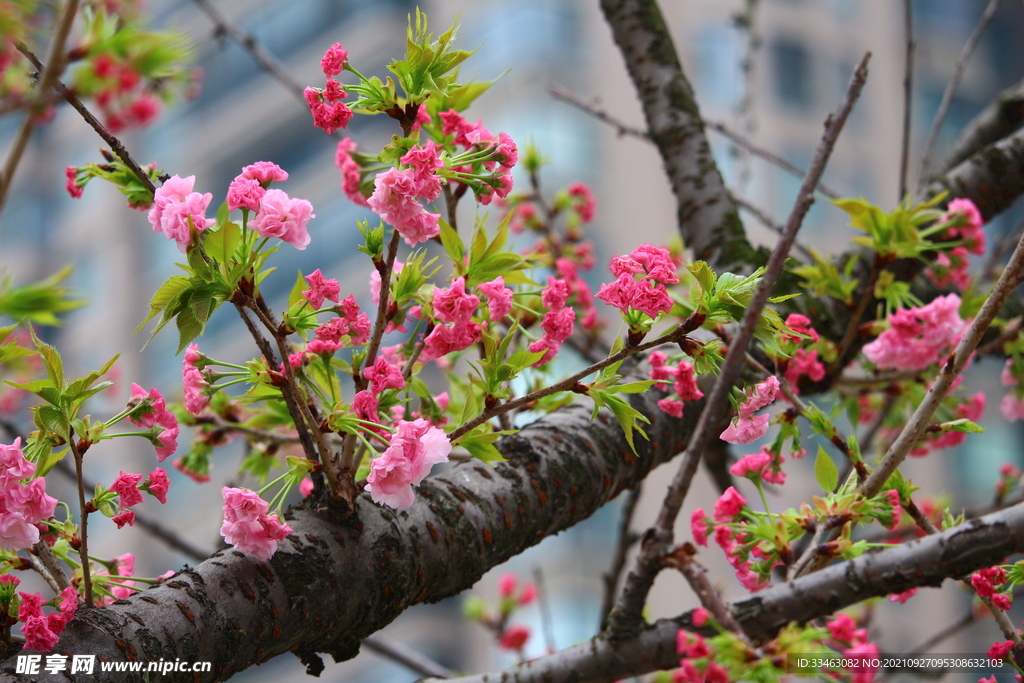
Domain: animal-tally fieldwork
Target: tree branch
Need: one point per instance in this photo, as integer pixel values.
(925, 562)
(992, 179)
(707, 216)
(1000, 118)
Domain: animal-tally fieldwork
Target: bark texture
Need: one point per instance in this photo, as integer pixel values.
(707, 216)
(339, 577)
(993, 178)
(1000, 118)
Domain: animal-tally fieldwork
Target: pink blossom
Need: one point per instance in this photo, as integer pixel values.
(351, 171)
(585, 203)
(804, 362)
(556, 294)
(39, 635)
(507, 584)
(383, 375)
(499, 298)
(528, 594)
(415, 447)
(742, 431)
(265, 172)
(454, 305)
(157, 484)
(700, 616)
(245, 193)
(763, 394)
(1012, 407)
(750, 579)
(506, 151)
(127, 486)
(168, 437)
(699, 527)
(150, 405)
(124, 517)
(328, 115)
(686, 383)
(285, 218)
(13, 464)
(176, 207)
(752, 465)
(425, 161)
(71, 182)
(365, 405)
(195, 386)
(671, 407)
(917, 336)
(903, 597)
(445, 339)
(248, 527)
(333, 62)
(321, 288)
(985, 581)
(514, 637)
(729, 505)
(971, 232)
(394, 199)
(125, 567)
(305, 487)
(842, 628)
(1000, 650)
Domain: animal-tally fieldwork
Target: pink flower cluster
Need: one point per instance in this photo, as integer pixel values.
(395, 199)
(321, 288)
(414, 449)
(124, 567)
(507, 584)
(692, 646)
(351, 171)
(329, 112)
(802, 361)
(746, 426)
(153, 414)
(248, 526)
(72, 184)
(249, 186)
(23, 506)
(514, 637)
(761, 465)
(284, 217)
(42, 631)
(558, 321)
(843, 629)
(128, 489)
(986, 584)
(950, 267)
(505, 153)
(383, 375)
(192, 380)
(499, 298)
(646, 294)
(1012, 405)
(684, 382)
(176, 209)
(125, 99)
(350, 323)
(917, 337)
(568, 271)
(583, 201)
(455, 330)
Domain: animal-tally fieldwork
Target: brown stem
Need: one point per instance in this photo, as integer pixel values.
(908, 95)
(697, 576)
(52, 564)
(382, 306)
(83, 549)
(851, 327)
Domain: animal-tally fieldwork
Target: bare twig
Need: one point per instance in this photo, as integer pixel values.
(54, 67)
(697, 576)
(266, 61)
(94, 123)
(627, 539)
(560, 93)
(39, 568)
(951, 368)
(626, 617)
(406, 656)
(954, 83)
(908, 94)
(52, 564)
(83, 550)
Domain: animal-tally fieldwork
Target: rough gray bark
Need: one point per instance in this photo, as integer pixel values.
(954, 553)
(708, 217)
(339, 578)
(1003, 115)
(993, 178)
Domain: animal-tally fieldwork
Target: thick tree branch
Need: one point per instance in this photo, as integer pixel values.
(1001, 117)
(993, 178)
(708, 220)
(954, 553)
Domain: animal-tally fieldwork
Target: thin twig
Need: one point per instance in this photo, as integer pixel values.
(406, 656)
(83, 549)
(260, 434)
(697, 576)
(950, 370)
(248, 42)
(954, 83)
(547, 623)
(54, 67)
(52, 564)
(626, 540)
(94, 123)
(626, 616)
(39, 568)
(908, 83)
(560, 93)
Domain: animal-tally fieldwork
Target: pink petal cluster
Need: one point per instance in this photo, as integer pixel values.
(22, 505)
(351, 323)
(646, 294)
(986, 583)
(329, 112)
(747, 427)
(699, 527)
(394, 199)
(917, 337)
(153, 415)
(283, 217)
(248, 527)
(507, 584)
(684, 382)
(455, 307)
(903, 597)
(425, 162)
(383, 375)
(970, 232)
(157, 484)
(321, 288)
(71, 182)
(583, 201)
(558, 321)
(950, 268)
(127, 487)
(415, 448)
(514, 637)
(245, 193)
(333, 62)
(761, 465)
(193, 382)
(264, 172)
(499, 298)
(729, 505)
(42, 631)
(568, 271)
(176, 207)
(1000, 650)
(351, 171)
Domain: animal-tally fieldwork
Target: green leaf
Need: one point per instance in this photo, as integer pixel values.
(47, 461)
(51, 359)
(705, 276)
(964, 426)
(825, 471)
(188, 328)
(221, 245)
(167, 292)
(452, 243)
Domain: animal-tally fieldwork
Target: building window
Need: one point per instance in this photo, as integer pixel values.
(792, 73)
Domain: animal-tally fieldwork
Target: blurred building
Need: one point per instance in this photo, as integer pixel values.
(802, 61)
